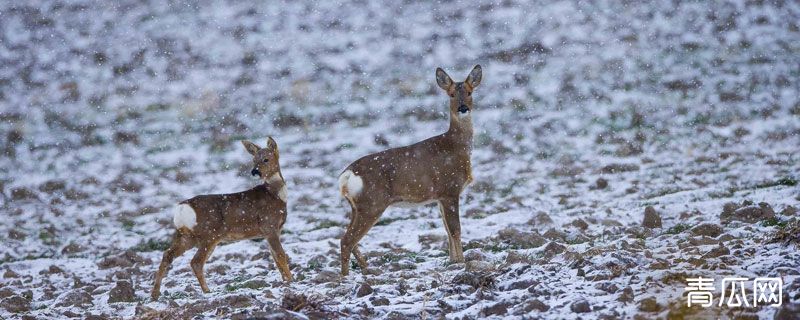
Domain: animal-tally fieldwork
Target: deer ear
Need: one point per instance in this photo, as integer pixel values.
(272, 145)
(443, 80)
(252, 148)
(474, 78)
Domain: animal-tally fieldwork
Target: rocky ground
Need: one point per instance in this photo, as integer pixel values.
(620, 149)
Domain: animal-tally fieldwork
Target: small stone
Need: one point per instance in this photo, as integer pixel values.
(748, 214)
(497, 309)
(707, 229)
(522, 284)
(553, 234)
(649, 305)
(474, 255)
(581, 306)
(580, 224)
(553, 249)
(10, 274)
(122, 292)
(326, 276)
(76, 298)
(364, 290)
(16, 304)
(651, 218)
(543, 218)
(626, 295)
(601, 183)
(380, 301)
(789, 211)
(521, 239)
(535, 304)
(479, 266)
(718, 251)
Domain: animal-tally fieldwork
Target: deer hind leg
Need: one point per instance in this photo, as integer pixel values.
(180, 243)
(449, 209)
(199, 261)
(360, 223)
(280, 257)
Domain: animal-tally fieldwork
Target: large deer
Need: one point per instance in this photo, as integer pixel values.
(205, 221)
(433, 170)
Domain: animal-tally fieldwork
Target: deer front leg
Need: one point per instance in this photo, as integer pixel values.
(180, 243)
(452, 223)
(280, 257)
(199, 261)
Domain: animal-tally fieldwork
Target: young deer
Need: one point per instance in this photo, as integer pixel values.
(205, 221)
(436, 169)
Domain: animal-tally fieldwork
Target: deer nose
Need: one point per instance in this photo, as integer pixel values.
(463, 108)
(255, 172)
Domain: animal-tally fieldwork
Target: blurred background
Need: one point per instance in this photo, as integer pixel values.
(110, 112)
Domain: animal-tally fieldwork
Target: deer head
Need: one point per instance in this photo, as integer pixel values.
(460, 92)
(265, 160)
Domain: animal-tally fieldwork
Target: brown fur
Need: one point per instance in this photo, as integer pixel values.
(255, 213)
(435, 169)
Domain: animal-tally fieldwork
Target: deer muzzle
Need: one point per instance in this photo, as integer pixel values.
(255, 172)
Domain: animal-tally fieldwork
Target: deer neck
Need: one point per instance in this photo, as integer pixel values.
(277, 185)
(460, 130)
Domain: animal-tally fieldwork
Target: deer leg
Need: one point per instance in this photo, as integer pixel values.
(180, 243)
(199, 261)
(280, 257)
(361, 222)
(449, 210)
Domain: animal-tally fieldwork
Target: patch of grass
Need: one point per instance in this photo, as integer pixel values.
(152, 245)
(387, 221)
(774, 222)
(127, 224)
(325, 223)
(678, 228)
(785, 181)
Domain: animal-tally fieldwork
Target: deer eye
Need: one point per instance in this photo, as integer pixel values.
(469, 94)
(452, 95)
(266, 160)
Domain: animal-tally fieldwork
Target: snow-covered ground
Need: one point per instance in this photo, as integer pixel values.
(588, 113)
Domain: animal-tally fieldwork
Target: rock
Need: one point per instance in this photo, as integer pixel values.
(72, 248)
(619, 167)
(379, 301)
(651, 218)
(747, 214)
(325, 276)
(16, 304)
(580, 224)
(479, 266)
(553, 249)
(702, 241)
(535, 304)
(515, 257)
(497, 309)
(626, 295)
(127, 259)
(520, 239)
(542, 218)
(787, 311)
(122, 292)
(649, 304)
(75, 298)
(522, 284)
(294, 301)
(607, 287)
(14, 234)
(580, 306)
(474, 255)
(553, 234)
(601, 184)
(474, 280)
(10, 274)
(707, 229)
(22, 193)
(789, 211)
(364, 290)
(255, 284)
(718, 251)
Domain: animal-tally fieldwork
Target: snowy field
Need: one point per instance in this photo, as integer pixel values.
(588, 113)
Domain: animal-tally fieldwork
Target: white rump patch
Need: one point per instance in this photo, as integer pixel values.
(351, 182)
(184, 216)
(282, 193)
